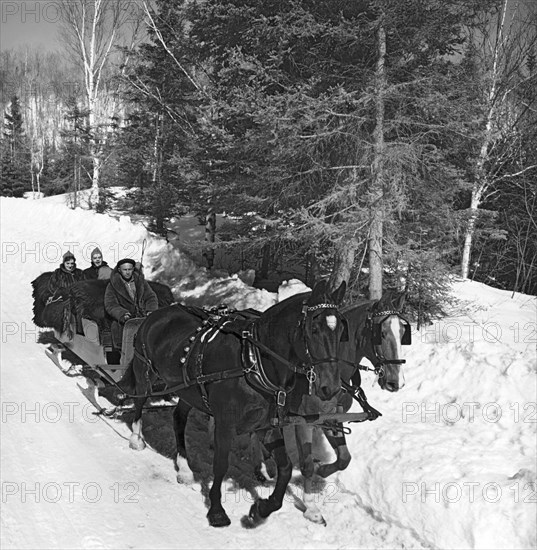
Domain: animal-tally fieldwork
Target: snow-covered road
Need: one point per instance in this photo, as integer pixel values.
(69, 479)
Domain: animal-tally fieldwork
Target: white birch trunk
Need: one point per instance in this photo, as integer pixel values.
(376, 231)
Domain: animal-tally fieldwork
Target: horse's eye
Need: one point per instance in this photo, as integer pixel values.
(314, 329)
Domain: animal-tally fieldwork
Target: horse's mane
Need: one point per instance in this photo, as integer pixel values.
(277, 308)
(361, 303)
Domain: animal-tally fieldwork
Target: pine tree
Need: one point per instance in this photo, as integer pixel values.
(15, 176)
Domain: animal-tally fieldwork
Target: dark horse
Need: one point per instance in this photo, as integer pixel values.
(240, 372)
(84, 299)
(376, 330)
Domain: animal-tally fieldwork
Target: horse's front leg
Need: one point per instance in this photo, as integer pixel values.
(136, 440)
(304, 439)
(223, 435)
(337, 440)
(262, 508)
(180, 418)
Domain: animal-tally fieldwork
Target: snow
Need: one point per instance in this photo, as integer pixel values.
(450, 464)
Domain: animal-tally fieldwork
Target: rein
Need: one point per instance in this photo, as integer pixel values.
(219, 322)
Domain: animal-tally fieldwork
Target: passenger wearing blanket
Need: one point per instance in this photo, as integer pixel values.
(66, 275)
(127, 295)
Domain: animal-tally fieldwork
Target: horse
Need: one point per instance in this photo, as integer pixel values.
(242, 373)
(84, 299)
(376, 331)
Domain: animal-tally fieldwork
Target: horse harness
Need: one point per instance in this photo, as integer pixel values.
(374, 327)
(222, 319)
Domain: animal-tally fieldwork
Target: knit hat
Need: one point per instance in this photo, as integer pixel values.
(96, 251)
(125, 261)
(68, 256)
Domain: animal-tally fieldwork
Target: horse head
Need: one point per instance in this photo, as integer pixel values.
(386, 331)
(319, 332)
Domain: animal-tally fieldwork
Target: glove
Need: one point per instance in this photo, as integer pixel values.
(125, 318)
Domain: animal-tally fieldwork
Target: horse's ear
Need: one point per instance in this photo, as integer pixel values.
(337, 295)
(318, 293)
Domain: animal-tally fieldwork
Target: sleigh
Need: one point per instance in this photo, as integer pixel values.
(94, 348)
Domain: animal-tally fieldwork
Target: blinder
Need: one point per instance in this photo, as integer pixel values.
(376, 337)
(406, 339)
(340, 318)
(345, 333)
(376, 330)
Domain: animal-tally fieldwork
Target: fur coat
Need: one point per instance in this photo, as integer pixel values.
(117, 300)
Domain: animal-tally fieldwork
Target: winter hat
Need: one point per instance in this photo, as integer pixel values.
(96, 251)
(68, 256)
(125, 261)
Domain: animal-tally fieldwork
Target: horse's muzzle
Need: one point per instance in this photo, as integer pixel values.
(327, 392)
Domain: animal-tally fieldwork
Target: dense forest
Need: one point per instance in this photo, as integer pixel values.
(387, 143)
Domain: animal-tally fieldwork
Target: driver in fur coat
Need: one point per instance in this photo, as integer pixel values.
(127, 295)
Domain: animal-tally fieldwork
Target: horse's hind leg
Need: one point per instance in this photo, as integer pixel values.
(304, 439)
(180, 418)
(261, 459)
(337, 440)
(136, 440)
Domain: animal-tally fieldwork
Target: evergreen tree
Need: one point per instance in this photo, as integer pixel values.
(293, 115)
(15, 161)
(156, 145)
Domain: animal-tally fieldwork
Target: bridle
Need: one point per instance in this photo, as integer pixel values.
(374, 328)
(304, 324)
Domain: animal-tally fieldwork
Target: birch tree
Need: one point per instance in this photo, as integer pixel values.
(92, 31)
(502, 45)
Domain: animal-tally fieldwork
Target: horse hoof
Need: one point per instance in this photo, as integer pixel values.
(185, 478)
(315, 517)
(137, 443)
(254, 518)
(218, 519)
(260, 476)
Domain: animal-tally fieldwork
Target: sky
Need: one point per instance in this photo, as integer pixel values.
(450, 464)
(35, 23)
(29, 23)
